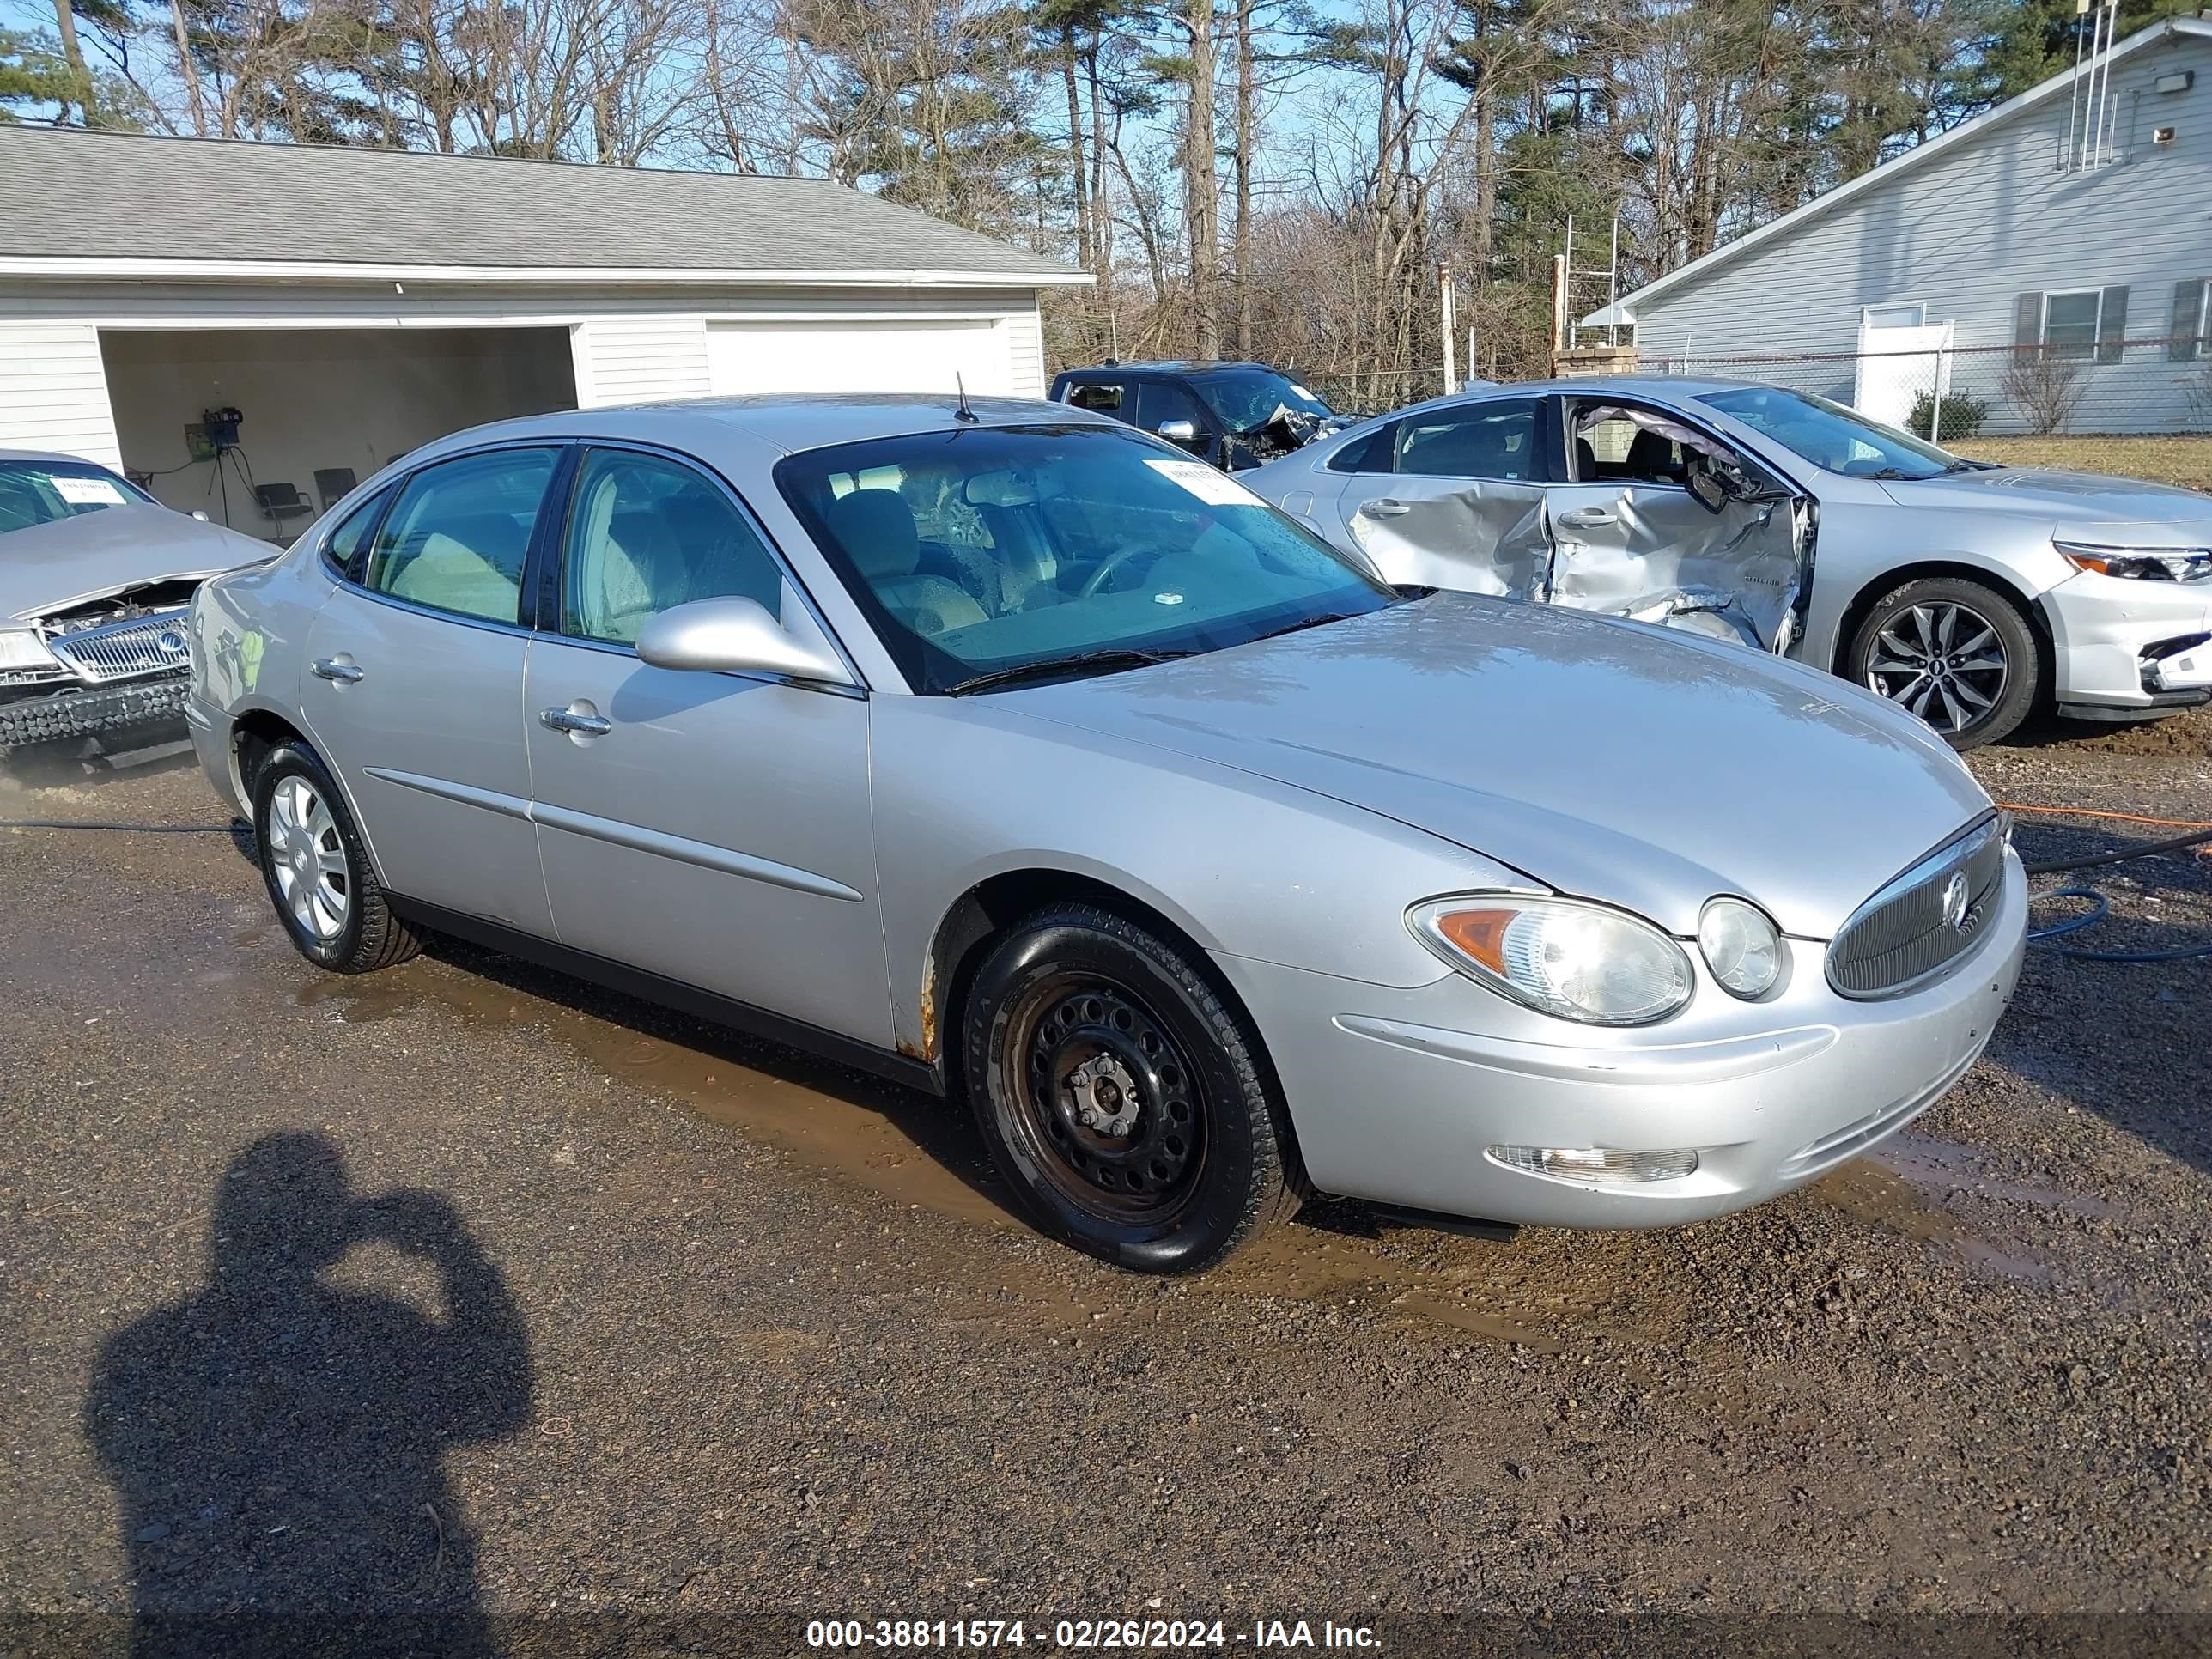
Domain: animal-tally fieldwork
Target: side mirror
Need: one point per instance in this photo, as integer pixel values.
(1706, 489)
(1178, 432)
(733, 636)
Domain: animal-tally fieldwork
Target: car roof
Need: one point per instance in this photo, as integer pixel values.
(50, 456)
(789, 421)
(1176, 366)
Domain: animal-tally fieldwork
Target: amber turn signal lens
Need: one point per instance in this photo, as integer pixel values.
(1480, 934)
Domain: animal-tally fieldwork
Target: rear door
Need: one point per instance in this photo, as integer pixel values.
(1453, 497)
(1632, 536)
(414, 685)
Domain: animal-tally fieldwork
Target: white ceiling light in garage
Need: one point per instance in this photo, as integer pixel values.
(840, 356)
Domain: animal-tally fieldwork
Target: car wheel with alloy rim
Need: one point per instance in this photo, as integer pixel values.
(1121, 1097)
(1959, 654)
(317, 871)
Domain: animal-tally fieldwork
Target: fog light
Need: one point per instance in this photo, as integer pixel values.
(1596, 1163)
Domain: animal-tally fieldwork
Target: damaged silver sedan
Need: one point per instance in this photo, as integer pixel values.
(95, 575)
(1969, 594)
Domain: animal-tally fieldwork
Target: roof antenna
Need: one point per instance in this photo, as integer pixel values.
(963, 414)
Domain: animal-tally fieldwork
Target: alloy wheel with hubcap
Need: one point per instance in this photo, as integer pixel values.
(307, 858)
(1955, 652)
(1944, 662)
(318, 873)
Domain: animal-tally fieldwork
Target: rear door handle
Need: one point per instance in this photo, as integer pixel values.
(1587, 517)
(581, 726)
(1385, 509)
(336, 668)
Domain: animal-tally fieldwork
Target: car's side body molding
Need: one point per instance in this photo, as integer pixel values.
(744, 1016)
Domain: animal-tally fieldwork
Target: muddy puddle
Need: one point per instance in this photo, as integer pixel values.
(1945, 1196)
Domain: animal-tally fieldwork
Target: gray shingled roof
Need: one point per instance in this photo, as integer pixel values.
(69, 194)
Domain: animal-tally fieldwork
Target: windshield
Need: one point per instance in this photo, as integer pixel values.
(40, 492)
(995, 548)
(1246, 399)
(1831, 436)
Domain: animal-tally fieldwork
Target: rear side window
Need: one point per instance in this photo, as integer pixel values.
(457, 537)
(1489, 440)
(346, 548)
(1106, 400)
(1371, 454)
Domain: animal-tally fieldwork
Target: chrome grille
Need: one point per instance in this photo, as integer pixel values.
(1919, 924)
(123, 650)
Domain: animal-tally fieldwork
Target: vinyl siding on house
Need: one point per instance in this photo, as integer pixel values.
(53, 391)
(1967, 231)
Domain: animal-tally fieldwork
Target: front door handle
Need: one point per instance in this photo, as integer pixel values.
(1587, 518)
(576, 724)
(338, 669)
(1385, 509)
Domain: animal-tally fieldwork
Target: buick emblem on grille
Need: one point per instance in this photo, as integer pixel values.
(1955, 897)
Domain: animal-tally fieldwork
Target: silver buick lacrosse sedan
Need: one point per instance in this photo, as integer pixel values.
(1015, 754)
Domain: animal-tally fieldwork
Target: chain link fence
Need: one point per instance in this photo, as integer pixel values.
(2136, 407)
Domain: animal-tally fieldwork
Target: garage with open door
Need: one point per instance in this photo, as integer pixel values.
(262, 429)
(296, 314)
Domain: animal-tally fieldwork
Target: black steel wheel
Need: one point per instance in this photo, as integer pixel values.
(1120, 1096)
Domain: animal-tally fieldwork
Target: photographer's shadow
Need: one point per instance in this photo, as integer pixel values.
(276, 1440)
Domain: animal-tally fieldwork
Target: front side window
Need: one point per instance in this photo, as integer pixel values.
(457, 537)
(1829, 435)
(45, 492)
(646, 534)
(1484, 440)
(1012, 551)
(1162, 401)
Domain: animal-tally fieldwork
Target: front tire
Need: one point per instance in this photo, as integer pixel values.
(1121, 1098)
(1959, 654)
(317, 871)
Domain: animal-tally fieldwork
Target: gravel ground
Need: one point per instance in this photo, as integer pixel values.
(620, 1314)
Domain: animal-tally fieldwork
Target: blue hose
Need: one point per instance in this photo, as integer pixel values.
(2101, 907)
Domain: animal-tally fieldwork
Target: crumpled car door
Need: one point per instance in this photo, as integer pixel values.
(1469, 535)
(1734, 565)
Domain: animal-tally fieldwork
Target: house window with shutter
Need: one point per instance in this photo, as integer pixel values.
(2186, 340)
(2085, 325)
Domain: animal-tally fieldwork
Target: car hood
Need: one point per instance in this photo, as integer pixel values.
(1605, 758)
(2150, 514)
(48, 567)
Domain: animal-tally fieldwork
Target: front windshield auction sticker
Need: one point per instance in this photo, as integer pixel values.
(88, 492)
(1214, 489)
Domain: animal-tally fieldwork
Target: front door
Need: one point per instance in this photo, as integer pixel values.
(1453, 498)
(1632, 538)
(711, 828)
(414, 687)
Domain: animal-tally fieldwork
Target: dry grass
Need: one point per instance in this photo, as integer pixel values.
(2185, 461)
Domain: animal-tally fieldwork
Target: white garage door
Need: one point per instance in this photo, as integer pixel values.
(849, 356)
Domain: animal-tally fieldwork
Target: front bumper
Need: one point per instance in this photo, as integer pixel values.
(1395, 1094)
(46, 716)
(2113, 638)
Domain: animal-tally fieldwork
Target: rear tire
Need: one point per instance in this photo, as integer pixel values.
(1122, 1100)
(1957, 654)
(318, 871)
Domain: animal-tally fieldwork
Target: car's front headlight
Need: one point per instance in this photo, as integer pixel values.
(22, 647)
(2148, 564)
(1561, 957)
(1740, 946)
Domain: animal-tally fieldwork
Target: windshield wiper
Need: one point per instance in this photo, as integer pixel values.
(1104, 662)
(1962, 464)
(1322, 620)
